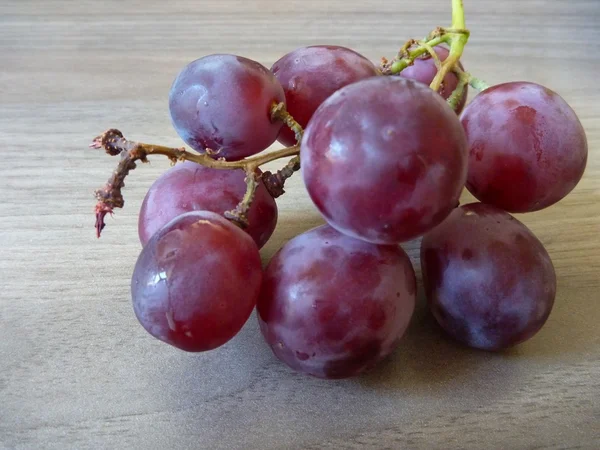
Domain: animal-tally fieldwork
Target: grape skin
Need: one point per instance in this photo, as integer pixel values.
(196, 281)
(192, 187)
(489, 281)
(309, 75)
(423, 69)
(384, 159)
(332, 306)
(527, 148)
(223, 102)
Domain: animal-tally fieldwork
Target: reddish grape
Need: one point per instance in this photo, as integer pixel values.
(424, 70)
(196, 281)
(223, 102)
(192, 187)
(309, 75)
(333, 306)
(489, 281)
(384, 159)
(527, 147)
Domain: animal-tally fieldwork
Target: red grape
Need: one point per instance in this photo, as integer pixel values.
(489, 281)
(527, 147)
(309, 75)
(223, 102)
(424, 70)
(196, 281)
(384, 159)
(333, 306)
(191, 187)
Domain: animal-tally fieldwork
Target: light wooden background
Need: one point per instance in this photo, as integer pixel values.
(76, 370)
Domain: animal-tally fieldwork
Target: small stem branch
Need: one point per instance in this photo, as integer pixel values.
(110, 196)
(477, 83)
(398, 65)
(239, 215)
(456, 96)
(274, 182)
(278, 112)
(432, 53)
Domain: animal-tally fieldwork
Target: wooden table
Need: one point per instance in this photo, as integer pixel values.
(76, 369)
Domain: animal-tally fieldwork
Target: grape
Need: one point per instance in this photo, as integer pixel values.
(223, 102)
(192, 187)
(333, 306)
(196, 281)
(384, 159)
(424, 70)
(489, 281)
(527, 147)
(311, 74)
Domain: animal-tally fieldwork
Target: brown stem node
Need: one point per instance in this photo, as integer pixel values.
(274, 182)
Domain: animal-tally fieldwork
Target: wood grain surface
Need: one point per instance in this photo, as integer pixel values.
(76, 369)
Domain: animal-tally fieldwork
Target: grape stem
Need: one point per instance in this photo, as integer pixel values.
(114, 143)
(239, 215)
(477, 83)
(458, 37)
(456, 96)
(406, 57)
(274, 182)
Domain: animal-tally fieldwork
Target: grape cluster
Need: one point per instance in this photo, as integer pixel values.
(385, 160)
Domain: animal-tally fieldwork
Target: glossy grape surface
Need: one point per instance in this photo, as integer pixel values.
(223, 102)
(424, 70)
(333, 306)
(489, 281)
(196, 281)
(191, 187)
(384, 159)
(527, 148)
(309, 75)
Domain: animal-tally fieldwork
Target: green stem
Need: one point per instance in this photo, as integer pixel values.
(478, 84)
(458, 15)
(401, 64)
(458, 39)
(456, 96)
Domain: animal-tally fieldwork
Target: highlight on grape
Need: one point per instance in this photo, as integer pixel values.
(385, 152)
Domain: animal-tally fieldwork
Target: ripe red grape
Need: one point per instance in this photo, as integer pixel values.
(333, 306)
(489, 281)
(223, 102)
(309, 75)
(384, 159)
(424, 70)
(196, 281)
(527, 147)
(191, 187)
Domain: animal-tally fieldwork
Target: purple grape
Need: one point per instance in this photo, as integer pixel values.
(191, 187)
(527, 148)
(384, 159)
(332, 306)
(196, 281)
(223, 102)
(424, 70)
(489, 281)
(309, 75)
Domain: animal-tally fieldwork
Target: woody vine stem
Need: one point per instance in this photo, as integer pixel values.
(113, 142)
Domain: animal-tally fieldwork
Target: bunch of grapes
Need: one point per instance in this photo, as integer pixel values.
(385, 153)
